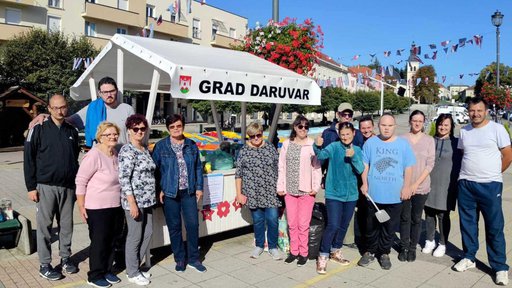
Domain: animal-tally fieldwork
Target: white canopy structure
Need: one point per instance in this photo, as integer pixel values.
(196, 72)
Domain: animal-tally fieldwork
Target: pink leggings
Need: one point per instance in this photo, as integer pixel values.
(298, 214)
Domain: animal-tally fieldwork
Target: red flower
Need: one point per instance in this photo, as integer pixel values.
(207, 213)
(223, 209)
(236, 205)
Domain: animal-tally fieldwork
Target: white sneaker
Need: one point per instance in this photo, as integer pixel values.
(502, 278)
(464, 265)
(146, 274)
(256, 252)
(429, 247)
(275, 254)
(440, 250)
(139, 280)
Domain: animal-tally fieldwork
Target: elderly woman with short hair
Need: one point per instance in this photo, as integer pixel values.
(256, 179)
(99, 200)
(137, 179)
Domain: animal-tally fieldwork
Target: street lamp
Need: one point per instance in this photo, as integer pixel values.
(497, 19)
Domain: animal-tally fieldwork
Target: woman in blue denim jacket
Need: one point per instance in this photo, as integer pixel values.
(180, 175)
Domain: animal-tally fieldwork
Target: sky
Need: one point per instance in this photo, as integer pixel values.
(372, 27)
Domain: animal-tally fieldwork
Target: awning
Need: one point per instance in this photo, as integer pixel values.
(220, 25)
(191, 71)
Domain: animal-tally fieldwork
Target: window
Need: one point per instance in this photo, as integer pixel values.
(90, 29)
(53, 24)
(150, 11)
(232, 32)
(12, 16)
(122, 4)
(54, 3)
(121, 31)
(196, 29)
(214, 31)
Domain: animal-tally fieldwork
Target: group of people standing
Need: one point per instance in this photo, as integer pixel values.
(119, 182)
(116, 186)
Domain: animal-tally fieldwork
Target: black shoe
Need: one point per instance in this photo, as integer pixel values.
(411, 256)
(290, 258)
(47, 272)
(302, 261)
(402, 256)
(366, 259)
(385, 262)
(68, 266)
(112, 278)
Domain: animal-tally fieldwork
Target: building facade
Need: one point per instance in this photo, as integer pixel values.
(99, 20)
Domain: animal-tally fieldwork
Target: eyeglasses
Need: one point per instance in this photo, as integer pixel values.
(108, 92)
(141, 129)
(300, 126)
(179, 126)
(259, 135)
(346, 115)
(61, 108)
(110, 135)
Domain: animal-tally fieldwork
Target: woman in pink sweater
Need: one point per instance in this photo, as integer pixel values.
(99, 201)
(298, 181)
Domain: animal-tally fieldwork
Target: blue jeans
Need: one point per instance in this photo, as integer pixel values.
(184, 204)
(338, 218)
(486, 198)
(260, 216)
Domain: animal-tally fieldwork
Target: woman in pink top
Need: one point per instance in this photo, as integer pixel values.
(299, 180)
(99, 201)
(410, 219)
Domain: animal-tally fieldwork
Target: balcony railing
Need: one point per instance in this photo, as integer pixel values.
(219, 40)
(170, 28)
(110, 14)
(7, 31)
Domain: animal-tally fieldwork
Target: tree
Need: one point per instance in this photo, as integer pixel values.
(366, 102)
(496, 96)
(375, 65)
(42, 61)
(488, 75)
(427, 89)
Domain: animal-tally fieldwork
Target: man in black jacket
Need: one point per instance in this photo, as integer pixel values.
(50, 166)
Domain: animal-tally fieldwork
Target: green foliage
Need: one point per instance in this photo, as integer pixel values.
(366, 102)
(427, 90)
(375, 64)
(488, 75)
(42, 61)
(508, 129)
(432, 130)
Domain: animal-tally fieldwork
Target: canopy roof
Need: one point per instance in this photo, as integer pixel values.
(191, 71)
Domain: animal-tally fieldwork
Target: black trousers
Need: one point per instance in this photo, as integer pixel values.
(410, 221)
(443, 220)
(103, 229)
(380, 235)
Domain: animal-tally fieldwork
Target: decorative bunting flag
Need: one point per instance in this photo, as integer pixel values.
(399, 52)
(76, 63)
(478, 40)
(416, 50)
(462, 41)
(434, 57)
(454, 48)
(417, 59)
(177, 8)
(445, 50)
(432, 46)
(355, 57)
(426, 56)
(372, 55)
(399, 62)
(418, 80)
(87, 62)
(444, 78)
(444, 43)
(159, 21)
(470, 41)
(487, 75)
(387, 53)
(461, 76)
(426, 80)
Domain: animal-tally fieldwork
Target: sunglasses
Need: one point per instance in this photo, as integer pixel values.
(300, 126)
(346, 115)
(136, 129)
(259, 135)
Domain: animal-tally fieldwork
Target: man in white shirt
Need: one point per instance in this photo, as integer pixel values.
(486, 155)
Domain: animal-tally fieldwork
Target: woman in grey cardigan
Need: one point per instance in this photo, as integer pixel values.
(444, 186)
